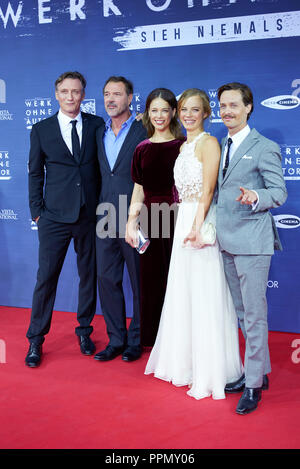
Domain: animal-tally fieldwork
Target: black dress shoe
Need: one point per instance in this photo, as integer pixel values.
(265, 383)
(239, 385)
(33, 357)
(109, 353)
(236, 386)
(131, 353)
(249, 401)
(87, 346)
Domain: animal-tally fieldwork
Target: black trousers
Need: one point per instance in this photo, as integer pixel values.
(112, 253)
(54, 240)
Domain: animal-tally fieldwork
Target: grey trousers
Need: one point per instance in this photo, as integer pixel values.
(247, 277)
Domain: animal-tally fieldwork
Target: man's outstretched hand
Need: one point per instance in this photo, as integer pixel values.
(247, 197)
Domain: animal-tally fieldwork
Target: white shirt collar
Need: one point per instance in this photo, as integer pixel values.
(239, 136)
(65, 120)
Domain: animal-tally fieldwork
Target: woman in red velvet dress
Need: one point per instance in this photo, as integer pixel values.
(153, 203)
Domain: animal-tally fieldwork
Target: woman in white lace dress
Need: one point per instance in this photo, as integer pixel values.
(197, 341)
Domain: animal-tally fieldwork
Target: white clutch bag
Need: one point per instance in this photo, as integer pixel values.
(208, 228)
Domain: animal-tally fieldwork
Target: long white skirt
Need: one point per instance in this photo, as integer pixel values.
(197, 342)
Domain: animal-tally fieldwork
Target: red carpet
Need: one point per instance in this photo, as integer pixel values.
(73, 402)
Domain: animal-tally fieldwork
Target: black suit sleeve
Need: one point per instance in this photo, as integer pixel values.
(36, 175)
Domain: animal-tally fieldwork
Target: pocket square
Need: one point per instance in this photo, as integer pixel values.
(247, 157)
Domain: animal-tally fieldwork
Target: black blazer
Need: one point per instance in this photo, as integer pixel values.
(118, 181)
(55, 178)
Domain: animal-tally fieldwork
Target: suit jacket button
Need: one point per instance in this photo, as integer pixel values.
(78, 184)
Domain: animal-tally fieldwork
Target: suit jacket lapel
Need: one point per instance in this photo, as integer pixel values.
(220, 175)
(85, 129)
(101, 147)
(126, 144)
(249, 141)
(60, 140)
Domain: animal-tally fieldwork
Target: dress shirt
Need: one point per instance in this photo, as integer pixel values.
(113, 143)
(66, 128)
(236, 141)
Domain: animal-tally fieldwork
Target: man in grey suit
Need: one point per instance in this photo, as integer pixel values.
(250, 183)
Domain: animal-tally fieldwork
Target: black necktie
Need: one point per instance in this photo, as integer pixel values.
(229, 142)
(75, 141)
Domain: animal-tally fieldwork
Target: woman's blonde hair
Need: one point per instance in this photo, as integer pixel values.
(195, 92)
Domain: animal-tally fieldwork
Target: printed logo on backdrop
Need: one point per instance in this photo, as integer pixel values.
(290, 162)
(296, 84)
(273, 284)
(18, 14)
(5, 115)
(2, 91)
(4, 166)
(137, 103)
(287, 221)
(37, 109)
(242, 28)
(8, 214)
(217, 30)
(285, 102)
(215, 106)
(282, 102)
(33, 225)
(88, 106)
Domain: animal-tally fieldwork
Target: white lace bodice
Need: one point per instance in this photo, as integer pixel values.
(188, 172)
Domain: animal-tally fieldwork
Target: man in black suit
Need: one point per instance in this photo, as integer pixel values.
(64, 183)
(116, 144)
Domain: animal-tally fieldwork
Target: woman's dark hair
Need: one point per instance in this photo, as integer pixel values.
(170, 98)
(245, 91)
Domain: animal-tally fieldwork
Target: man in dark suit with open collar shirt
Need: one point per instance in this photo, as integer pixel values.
(64, 184)
(116, 144)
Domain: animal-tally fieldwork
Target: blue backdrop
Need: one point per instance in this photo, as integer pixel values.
(172, 43)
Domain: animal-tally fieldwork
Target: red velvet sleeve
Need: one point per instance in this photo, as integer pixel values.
(136, 167)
